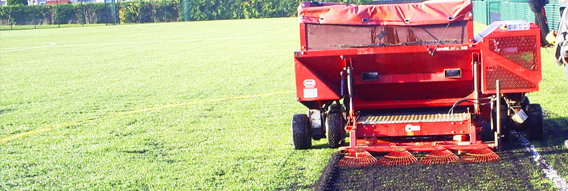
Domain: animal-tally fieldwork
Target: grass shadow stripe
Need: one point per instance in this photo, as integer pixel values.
(138, 111)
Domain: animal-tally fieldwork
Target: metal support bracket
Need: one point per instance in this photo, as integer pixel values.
(498, 115)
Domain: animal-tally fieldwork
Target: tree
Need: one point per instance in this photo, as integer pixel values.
(17, 2)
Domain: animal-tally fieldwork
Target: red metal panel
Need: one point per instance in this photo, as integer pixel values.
(413, 129)
(513, 57)
(310, 86)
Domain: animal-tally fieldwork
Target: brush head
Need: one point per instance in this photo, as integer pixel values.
(399, 156)
(481, 155)
(356, 159)
(442, 156)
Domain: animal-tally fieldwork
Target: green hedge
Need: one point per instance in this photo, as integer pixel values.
(17, 2)
(149, 11)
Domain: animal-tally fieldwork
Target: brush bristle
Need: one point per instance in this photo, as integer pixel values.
(362, 158)
(440, 157)
(398, 157)
(481, 155)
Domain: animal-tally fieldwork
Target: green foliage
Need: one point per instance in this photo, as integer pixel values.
(130, 12)
(150, 11)
(96, 13)
(65, 14)
(17, 2)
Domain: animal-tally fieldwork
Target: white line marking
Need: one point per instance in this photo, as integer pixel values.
(145, 42)
(550, 173)
(182, 40)
(50, 44)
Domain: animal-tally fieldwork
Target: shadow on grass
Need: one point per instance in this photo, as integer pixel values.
(320, 146)
(32, 27)
(22, 28)
(555, 133)
(555, 129)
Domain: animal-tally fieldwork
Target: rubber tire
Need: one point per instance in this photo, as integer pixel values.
(506, 124)
(525, 106)
(486, 132)
(338, 108)
(535, 121)
(301, 131)
(335, 108)
(334, 129)
(526, 103)
(525, 125)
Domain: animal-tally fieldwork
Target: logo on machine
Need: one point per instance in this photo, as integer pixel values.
(309, 88)
(410, 128)
(309, 83)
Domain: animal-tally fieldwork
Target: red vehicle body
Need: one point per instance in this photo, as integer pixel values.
(412, 75)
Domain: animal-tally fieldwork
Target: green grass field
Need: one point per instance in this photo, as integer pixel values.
(192, 125)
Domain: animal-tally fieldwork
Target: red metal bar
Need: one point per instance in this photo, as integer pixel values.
(408, 103)
(424, 129)
(388, 50)
(412, 78)
(303, 41)
(421, 147)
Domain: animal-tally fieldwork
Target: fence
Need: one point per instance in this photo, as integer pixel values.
(488, 11)
(112, 12)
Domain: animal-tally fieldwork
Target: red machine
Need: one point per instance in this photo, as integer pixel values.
(412, 77)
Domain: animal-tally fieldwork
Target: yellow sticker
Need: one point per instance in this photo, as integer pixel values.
(550, 37)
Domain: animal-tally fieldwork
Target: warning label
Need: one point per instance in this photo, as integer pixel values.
(311, 93)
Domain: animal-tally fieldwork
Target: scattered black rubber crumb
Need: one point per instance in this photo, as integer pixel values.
(328, 171)
(6, 111)
(512, 173)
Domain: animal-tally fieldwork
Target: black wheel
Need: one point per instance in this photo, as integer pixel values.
(525, 107)
(334, 128)
(301, 131)
(526, 103)
(535, 122)
(486, 132)
(505, 123)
